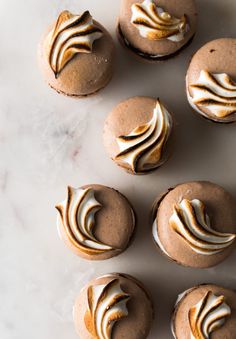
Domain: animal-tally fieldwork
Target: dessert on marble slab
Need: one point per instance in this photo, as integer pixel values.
(156, 30)
(137, 134)
(96, 222)
(76, 55)
(113, 306)
(210, 81)
(194, 224)
(205, 312)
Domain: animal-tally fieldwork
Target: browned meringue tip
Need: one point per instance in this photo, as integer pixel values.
(64, 47)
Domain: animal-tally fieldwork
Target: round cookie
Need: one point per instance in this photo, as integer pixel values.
(96, 222)
(136, 134)
(113, 306)
(157, 30)
(76, 55)
(205, 311)
(210, 81)
(194, 224)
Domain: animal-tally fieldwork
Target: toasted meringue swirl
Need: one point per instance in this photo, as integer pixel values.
(107, 304)
(208, 316)
(77, 217)
(216, 92)
(72, 34)
(141, 150)
(154, 23)
(191, 222)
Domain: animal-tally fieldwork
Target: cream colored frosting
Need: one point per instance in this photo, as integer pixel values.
(208, 315)
(190, 221)
(157, 239)
(71, 35)
(107, 304)
(180, 297)
(155, 24)
(77, 217)
(216, 92)
(142, 149)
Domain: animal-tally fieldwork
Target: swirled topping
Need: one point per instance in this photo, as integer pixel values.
(107, 304)
(154, 23)
(192, 223)
(77, 217)
(141, 150)
(72, 34)
(216, 92)
(208, 316)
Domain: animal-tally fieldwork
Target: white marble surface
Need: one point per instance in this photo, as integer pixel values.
(48, 141)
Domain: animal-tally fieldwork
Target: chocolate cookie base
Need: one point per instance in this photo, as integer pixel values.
(160, 244)
(79, 96)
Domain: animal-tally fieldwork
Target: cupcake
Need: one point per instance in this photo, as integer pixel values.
(204, 312)
(76, 55)
(210, 81)
(156, 30)
(96, 222)
(113, 306)
(194, 224)
(136, 134)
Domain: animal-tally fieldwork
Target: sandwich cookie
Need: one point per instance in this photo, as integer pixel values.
(157, 30)
(194, 224)
(205, 312)
(76, 55)
(136, 134)
(211, 81)
(113, 306)
(96, 222)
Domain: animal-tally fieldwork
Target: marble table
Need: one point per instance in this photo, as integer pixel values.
(48, 141)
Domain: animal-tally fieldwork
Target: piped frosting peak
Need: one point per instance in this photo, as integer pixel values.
(77, 217)
(191, 222)
(215, 92)
(71, 35)
(208, 315)
(142, 149)
(154, 23)
(107, 304)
